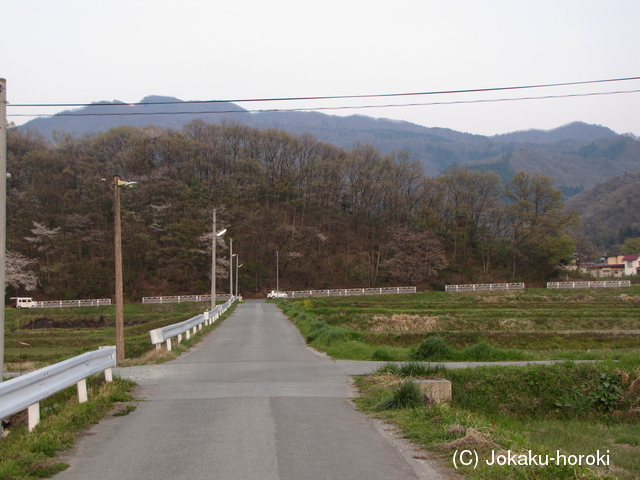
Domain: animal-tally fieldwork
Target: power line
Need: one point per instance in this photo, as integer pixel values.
(340, 97)
(308, 109)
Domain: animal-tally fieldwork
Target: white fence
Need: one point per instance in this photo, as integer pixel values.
(605, 284)
(184, 298)
(165, 334)
(484, 287)
(27, 391)
(74, 303)
(351, 291)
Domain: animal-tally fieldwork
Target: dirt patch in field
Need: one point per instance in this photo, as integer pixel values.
(74, 322)
(517, 324)
(492, 299)
(581, 298)
(403, 323)
(474, 439)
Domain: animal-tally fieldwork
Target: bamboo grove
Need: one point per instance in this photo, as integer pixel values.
(337, 218)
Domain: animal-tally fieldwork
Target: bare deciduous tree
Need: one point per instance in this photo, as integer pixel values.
(417, 257)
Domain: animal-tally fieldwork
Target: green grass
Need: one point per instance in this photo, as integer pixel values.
(28, 455)
(537, 408)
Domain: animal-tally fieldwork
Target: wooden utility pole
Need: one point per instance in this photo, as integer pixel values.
(118, 250)
(3, 211)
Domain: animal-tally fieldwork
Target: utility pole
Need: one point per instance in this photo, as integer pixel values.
(277, 272)
(214, 240)
(3, 212)
(118, 255)
(117, 185)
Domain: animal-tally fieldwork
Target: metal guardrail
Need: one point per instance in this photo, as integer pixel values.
(165, 334)
(484, 287)
(27, 391)
(73, 303)
(184, 298)
(351, 291)
(600, 284)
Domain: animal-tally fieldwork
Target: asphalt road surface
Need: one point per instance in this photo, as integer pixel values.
(250, 401)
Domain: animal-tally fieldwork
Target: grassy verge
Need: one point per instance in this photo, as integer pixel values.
(573, 409)
(25, 455)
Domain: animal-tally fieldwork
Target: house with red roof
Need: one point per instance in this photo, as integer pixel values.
(616, 266)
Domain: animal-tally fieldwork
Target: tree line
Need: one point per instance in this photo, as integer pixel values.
(336, 217)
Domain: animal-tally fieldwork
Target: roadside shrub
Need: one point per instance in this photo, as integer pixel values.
(433, 349)
(382, 354)
(413, 369)
(481, 352)
(331, 335)
(316, 330)
(388, 368)
(607, 392)
(406, 395)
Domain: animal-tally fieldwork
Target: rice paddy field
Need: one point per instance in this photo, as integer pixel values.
(55, 334)
(531, 323)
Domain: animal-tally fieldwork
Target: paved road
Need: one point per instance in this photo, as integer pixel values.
(251, 401)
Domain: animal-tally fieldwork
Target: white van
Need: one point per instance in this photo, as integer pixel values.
(24, 302)
(276, 294)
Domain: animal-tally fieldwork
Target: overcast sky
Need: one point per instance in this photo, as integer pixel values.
(82, 51)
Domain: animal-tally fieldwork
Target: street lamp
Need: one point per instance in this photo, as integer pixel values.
(213, 260)
(237, 267)
(117, 185)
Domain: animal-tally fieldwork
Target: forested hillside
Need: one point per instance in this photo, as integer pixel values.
(576, 156)
(609, 211)
(336, 217)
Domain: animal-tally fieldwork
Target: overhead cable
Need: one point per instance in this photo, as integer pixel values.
(339, 97)
(311, 109)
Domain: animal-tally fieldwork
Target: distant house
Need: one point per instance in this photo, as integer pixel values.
(616, 266)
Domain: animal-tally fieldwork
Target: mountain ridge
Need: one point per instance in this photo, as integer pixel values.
(576, 155)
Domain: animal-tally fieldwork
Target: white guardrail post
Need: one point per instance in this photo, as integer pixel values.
(165, 334)
(355, 291)
(27, 391)
(597, 284)
(478, 287)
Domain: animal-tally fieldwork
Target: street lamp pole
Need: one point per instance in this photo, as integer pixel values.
(231, 267)
(119, 294)
(117, 185)
(277, 272)
(214, 240)
(214, 243)
(237, 267)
